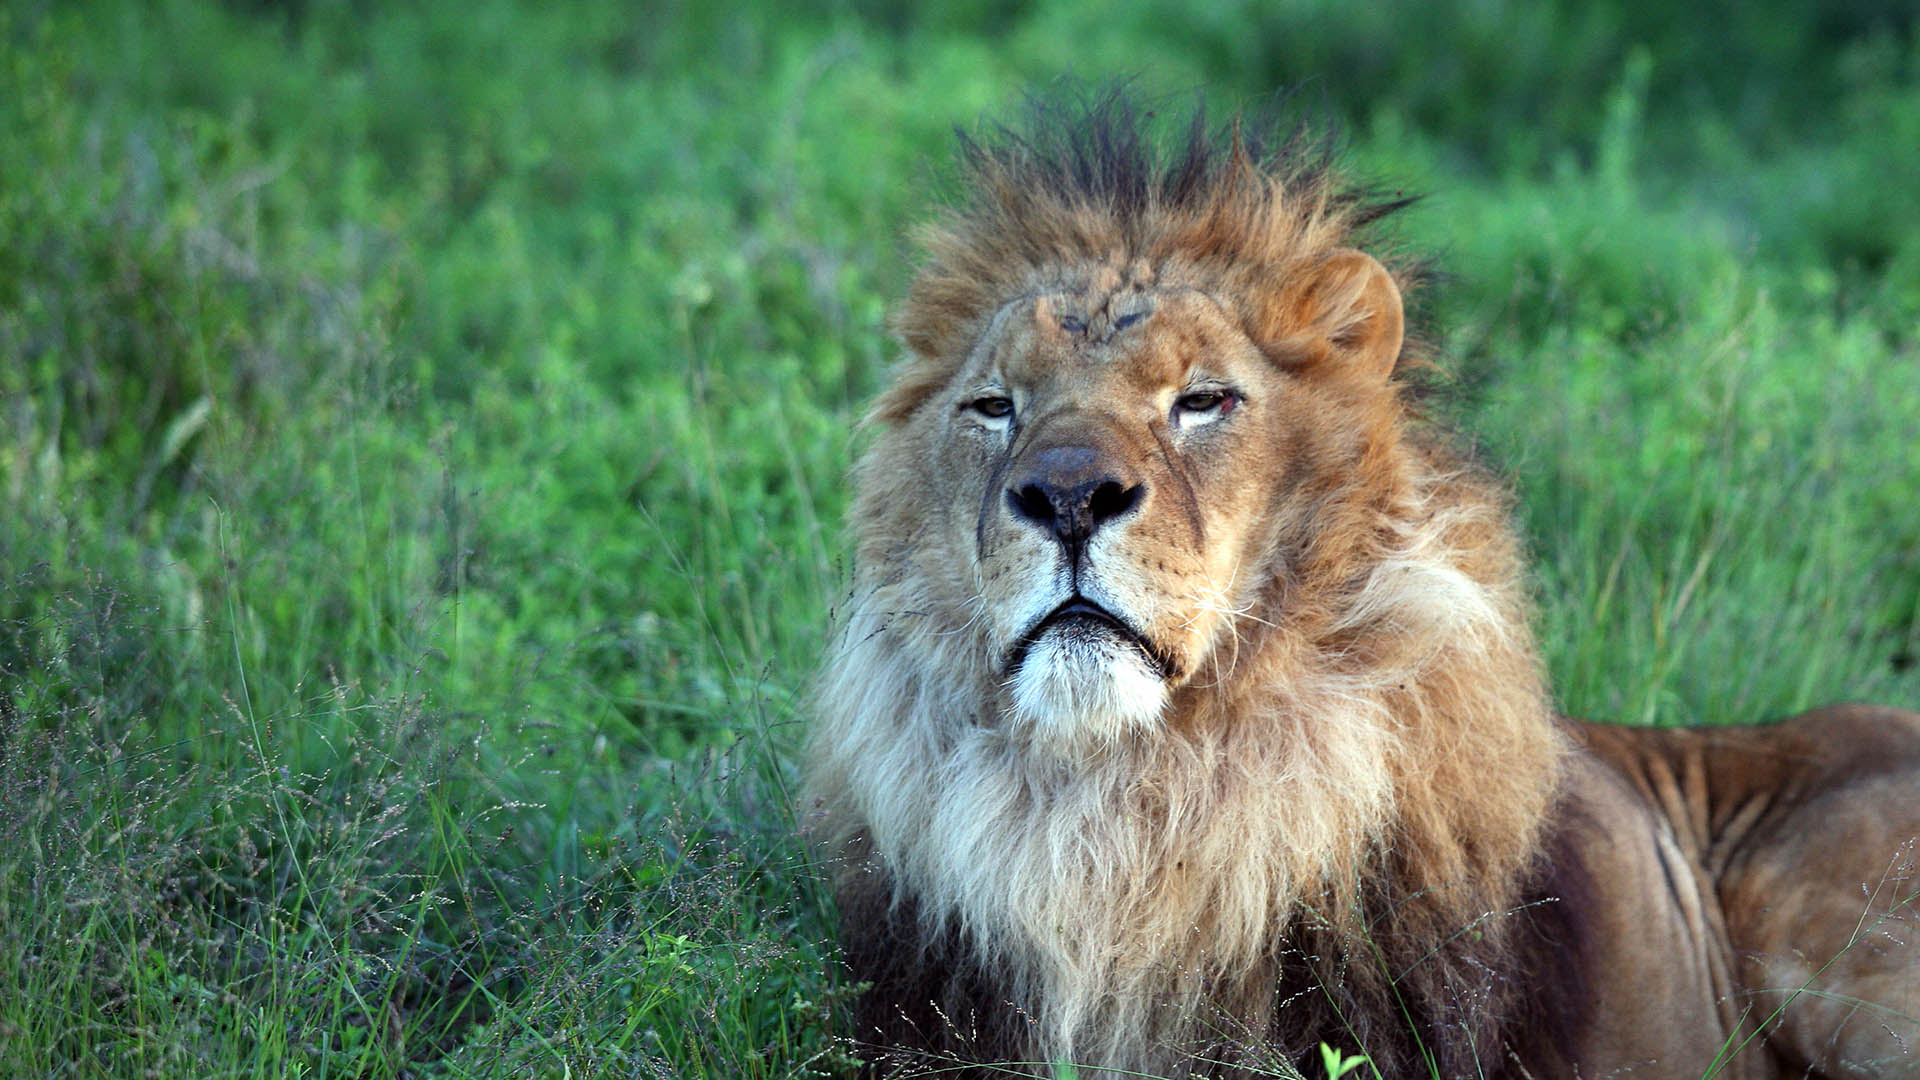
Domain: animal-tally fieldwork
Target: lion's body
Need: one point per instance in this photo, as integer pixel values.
(1186, 714)
(1744, 872)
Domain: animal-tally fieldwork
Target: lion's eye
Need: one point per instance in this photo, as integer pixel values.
(993, 408)
(1203, 406)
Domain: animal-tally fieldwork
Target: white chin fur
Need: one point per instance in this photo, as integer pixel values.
(1076, 689)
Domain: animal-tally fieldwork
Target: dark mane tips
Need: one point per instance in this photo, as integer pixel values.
(1108, 150)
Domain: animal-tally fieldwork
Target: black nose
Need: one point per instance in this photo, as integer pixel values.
(1071, 495)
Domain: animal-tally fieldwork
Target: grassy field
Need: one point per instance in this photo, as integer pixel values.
(422, 431)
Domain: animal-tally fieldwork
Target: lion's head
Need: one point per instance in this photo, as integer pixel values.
(1109, 449)
(1171, 629)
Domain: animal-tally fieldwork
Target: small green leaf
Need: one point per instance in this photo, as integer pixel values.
(1337, 1063)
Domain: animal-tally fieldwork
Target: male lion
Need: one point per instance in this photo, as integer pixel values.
(1186, 715)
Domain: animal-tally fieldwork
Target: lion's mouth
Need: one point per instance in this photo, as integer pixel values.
(1082, 616)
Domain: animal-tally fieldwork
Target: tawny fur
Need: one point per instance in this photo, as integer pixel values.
(1347, 813)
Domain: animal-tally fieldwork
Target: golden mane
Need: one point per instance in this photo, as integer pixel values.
(1342, 804)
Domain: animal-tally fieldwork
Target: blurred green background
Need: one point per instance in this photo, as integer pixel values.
(423, 427)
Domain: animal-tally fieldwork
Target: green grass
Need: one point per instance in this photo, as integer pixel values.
(422, 432)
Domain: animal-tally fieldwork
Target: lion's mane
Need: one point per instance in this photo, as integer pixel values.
(1327, 835)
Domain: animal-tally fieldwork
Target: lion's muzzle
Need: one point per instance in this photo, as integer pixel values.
(1082, 675)
(1070, 492)
(1081, 620)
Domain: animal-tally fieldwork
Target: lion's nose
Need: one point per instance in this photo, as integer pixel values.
(1071, 494)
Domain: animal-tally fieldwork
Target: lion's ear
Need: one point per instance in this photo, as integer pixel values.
(1346, 311)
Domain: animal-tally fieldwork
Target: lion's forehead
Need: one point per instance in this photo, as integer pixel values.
(1084, 341)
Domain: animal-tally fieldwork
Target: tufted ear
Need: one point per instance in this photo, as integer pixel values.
(1345, 311)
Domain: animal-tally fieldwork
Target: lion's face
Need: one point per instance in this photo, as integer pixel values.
(1118, 457)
